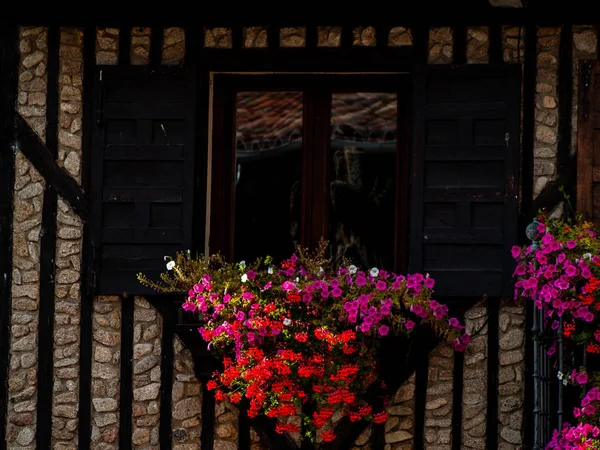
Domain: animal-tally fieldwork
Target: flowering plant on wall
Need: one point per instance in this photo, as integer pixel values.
(300, 339)
(560, 273)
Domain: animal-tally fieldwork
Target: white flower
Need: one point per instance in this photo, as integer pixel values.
(244, 278)
(243, 264)
(587, 256)
(559, 375)
(270, 271)
(165, 258)
(286, 321)
(565, 382)
(374, 272)
(352, 269)
(170, 265)
(297, 279)
(320, 270)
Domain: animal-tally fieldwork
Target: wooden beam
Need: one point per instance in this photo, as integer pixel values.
(44, 162)
(9, 72)
(565, 169)
(87, 263)
(529, 81)
(156, 44)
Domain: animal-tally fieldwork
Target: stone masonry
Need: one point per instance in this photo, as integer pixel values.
(475, 379)
(440, 45)
(187, 400)
(28, 198)
(255, 37)
(140, 46)
(226, 426)
(513, 44)
(147, 332)
(107, 45)
(329, 36)
(400, 426)
(217, 37)
(364, 36)
(546, 108)
(399, 37)
(173, 51)
(477, 45)
(292, 37)
(438, 406)
(511, 379)
(106, 351)
(68, 248)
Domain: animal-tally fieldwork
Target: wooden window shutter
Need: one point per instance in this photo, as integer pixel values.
(588, 143)
(142, 172)
(464, 179)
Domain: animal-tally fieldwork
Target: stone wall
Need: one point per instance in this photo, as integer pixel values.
(477, 45)
(440, 45)
(475, 379)
(107, 46)
(438, 406)
(140, 46)
(187, 390)
(147, 332)
(173, 51)
(546, 108)
(511, 378)
(28, 199)
(187, 400)
(400, 426)
(68, 247)
(106, 333)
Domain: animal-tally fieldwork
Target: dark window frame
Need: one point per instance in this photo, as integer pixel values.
(317, 90)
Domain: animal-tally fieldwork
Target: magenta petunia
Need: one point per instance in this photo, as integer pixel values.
(251, 274)
(571, 244)
(189, 306)
(287, 286)
(337, 292)
(516, 251)
(240, 315)
(429, 283)
(383, 330)
(409, 324)
(582, 378)
(381, 285)
(361, 281)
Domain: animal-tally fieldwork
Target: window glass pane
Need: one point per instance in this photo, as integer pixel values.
(363, 178)
(268, 174)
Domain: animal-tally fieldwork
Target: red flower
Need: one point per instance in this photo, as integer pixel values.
(211, 385)
(301, 337)
(293, 297)
(380, 417)
(328, 435)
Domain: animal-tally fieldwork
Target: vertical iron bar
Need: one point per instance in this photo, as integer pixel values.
(585, 364)
(536, 380)
(561, 356)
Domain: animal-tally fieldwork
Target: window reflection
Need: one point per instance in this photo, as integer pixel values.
(363, 178)
(268, 174)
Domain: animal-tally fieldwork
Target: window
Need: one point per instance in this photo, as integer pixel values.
(300, 158)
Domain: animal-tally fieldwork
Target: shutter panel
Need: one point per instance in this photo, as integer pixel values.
(588, 143)
(464, 178)
(142, 172)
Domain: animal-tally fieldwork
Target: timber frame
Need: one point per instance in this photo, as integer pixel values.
(16, 133)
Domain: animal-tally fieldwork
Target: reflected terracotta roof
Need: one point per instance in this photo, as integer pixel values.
(272, 119)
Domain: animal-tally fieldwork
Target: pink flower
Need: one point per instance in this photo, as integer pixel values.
(453, 322)
(251, 274)
(465, 338)
(198, 287)
(189, 306)
(381, 285)
(409, 324)
(240, 315)
(361, 281)
(191, 293)
(365, 327)
(582, 378)
(429, 283)
(268, 285)
(589, 410)
(516, 251)
(226, 298)
(571, 244)
(433, 304)
(458, 346)
(383, 330)
(337, 292)
(306, 297)
(287, 286)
